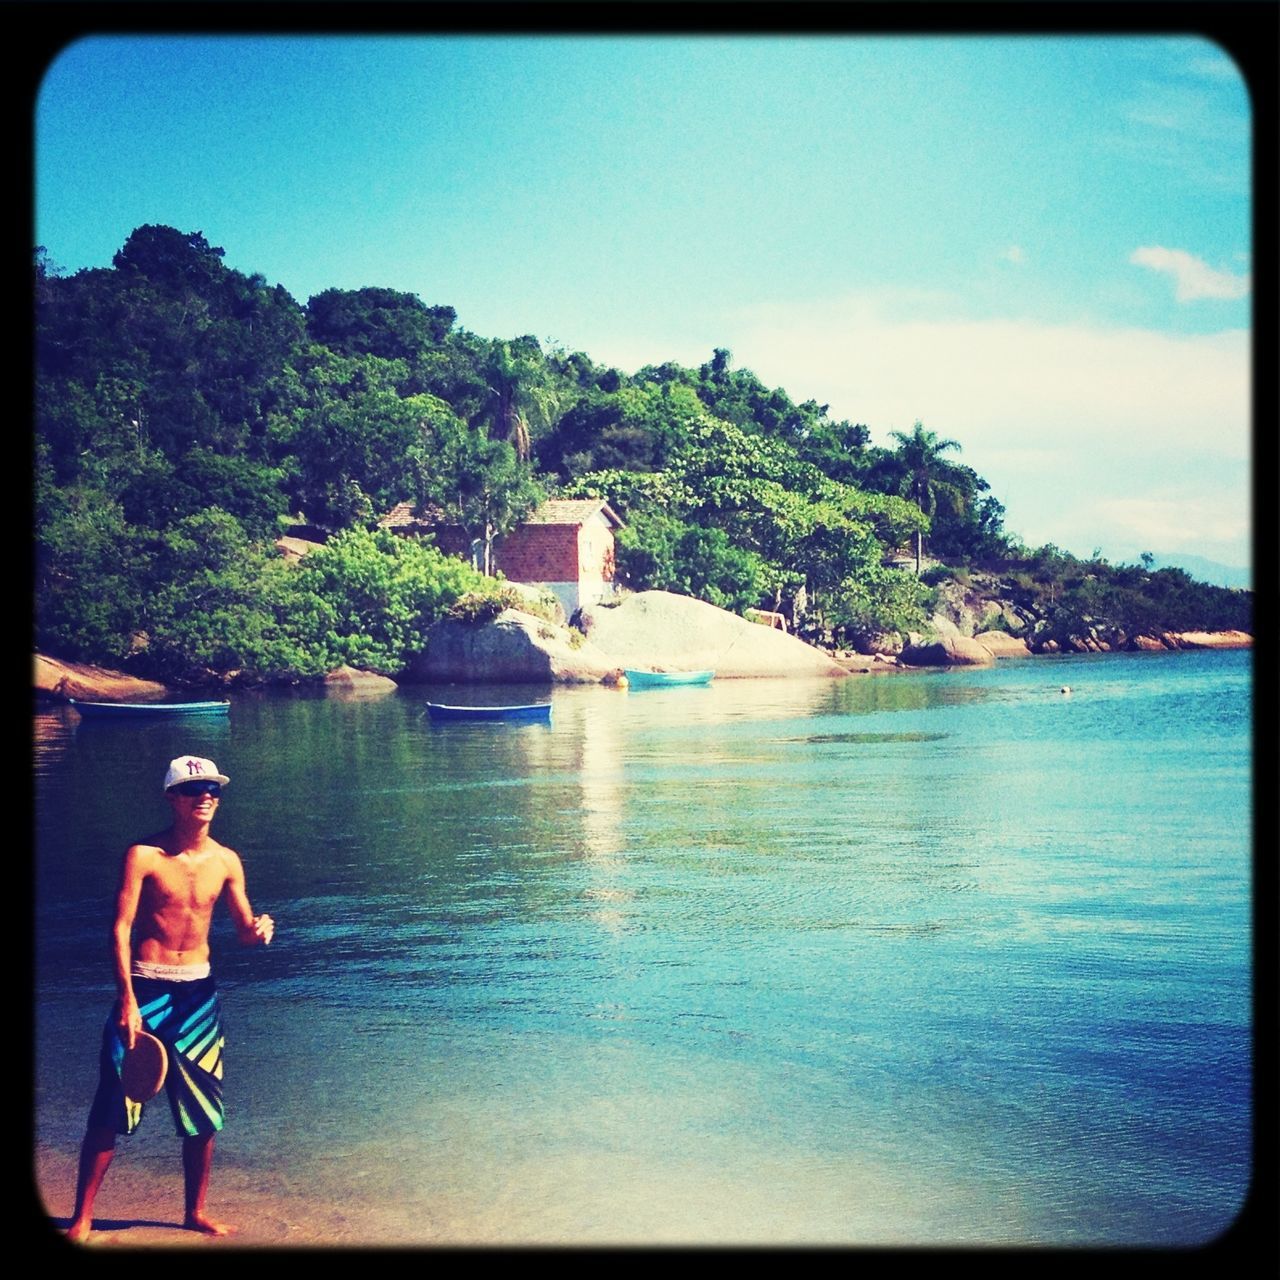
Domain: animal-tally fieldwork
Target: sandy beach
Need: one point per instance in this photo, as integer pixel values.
(140, 1206)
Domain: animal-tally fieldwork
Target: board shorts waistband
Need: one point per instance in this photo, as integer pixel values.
(171, 972)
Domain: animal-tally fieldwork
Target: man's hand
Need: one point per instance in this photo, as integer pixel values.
(264, 928)
(130, 1023)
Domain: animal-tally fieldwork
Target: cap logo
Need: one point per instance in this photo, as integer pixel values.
(193, 766)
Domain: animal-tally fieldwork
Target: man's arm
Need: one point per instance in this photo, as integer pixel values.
(250, 929)
(132, 875)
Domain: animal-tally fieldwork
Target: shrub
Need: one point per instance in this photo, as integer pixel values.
(477, 607)
(384, 592)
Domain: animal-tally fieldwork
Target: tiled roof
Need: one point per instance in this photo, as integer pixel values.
(571, 511)
(575, 511)
(402, 516)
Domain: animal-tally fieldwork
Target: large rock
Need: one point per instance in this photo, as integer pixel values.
(886, 644)
(1000, 644)
(57, 681)
(942, 625)
(514, 648)
(664, 630)
(948, 651)
(352, 680)
(293, 549)
(1212, 639)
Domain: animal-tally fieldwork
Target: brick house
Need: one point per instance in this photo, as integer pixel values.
(565, 545)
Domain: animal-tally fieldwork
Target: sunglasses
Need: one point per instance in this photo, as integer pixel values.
(198, 789)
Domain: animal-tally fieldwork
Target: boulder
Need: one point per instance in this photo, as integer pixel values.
(664, 630)
(1213, 639)
(877, 643)
(353, 680)
(1149, 644)
(514, 648)
(1002, 645)
(1016, 621)
(57, 681)
(293, 549)
(956, 612)
(948, 651)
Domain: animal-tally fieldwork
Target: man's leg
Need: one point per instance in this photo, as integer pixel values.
(197, 1160)
(96, 1150)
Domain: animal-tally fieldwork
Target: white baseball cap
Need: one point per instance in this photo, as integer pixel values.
(193, 769)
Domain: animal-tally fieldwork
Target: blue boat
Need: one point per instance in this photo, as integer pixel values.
(132, 710)
(527, 711)
(661, 679)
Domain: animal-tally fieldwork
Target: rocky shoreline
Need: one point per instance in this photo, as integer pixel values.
(653, 630)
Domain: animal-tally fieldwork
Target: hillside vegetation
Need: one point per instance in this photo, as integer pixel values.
(188, 413)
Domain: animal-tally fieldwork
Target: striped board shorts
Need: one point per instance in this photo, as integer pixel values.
(187, 1018)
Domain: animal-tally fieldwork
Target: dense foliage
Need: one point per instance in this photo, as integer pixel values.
(187, 413)
(1081, 597)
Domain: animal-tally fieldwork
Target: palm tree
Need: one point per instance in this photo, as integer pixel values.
(928, 475)
(517, 394)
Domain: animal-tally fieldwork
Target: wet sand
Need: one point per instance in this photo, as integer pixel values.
(140, 1206)
(599, 1202)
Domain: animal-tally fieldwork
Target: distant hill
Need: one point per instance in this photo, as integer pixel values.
(1202, 570)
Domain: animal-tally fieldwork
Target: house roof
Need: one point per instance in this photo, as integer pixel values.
(401, 516)
(572, 511)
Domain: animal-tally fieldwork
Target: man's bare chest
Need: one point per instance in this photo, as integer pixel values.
(184, 881)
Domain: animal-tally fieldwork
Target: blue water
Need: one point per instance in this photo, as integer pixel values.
(930, 958)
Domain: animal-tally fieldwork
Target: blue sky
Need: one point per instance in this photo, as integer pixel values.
(1037, 246)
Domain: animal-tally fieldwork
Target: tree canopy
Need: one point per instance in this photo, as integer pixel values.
(188, 412)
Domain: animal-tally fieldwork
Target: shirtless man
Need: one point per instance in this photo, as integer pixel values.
(168, 887)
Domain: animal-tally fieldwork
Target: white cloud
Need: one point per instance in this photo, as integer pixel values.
(1186, 521)
(1194, 277)
(1054, 416)
(1003, 383)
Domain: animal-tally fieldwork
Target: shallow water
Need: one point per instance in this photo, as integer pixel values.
(940, 958)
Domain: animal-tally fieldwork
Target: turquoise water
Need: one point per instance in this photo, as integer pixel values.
(934, 958)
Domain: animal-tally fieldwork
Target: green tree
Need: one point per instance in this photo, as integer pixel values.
(658, 552)
(468, 478)
(377, 322)
(519, 393)
(223, 607)
(91, 570)
(878, 600)
(346, 448)
(381, 594)
(927, 474)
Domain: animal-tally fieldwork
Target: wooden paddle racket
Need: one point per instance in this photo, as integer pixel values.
(144, 1068)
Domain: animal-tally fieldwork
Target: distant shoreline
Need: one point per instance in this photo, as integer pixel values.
(55, 682)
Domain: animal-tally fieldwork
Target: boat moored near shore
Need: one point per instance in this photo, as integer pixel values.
(143, 710)
(531, 711)
(663, 679)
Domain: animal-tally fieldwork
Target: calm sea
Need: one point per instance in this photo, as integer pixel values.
(930, 958)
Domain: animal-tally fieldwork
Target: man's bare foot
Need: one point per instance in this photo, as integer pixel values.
(210, 1226)
(79, 1231)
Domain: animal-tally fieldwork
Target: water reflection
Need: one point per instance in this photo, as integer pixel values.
(951, 927)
